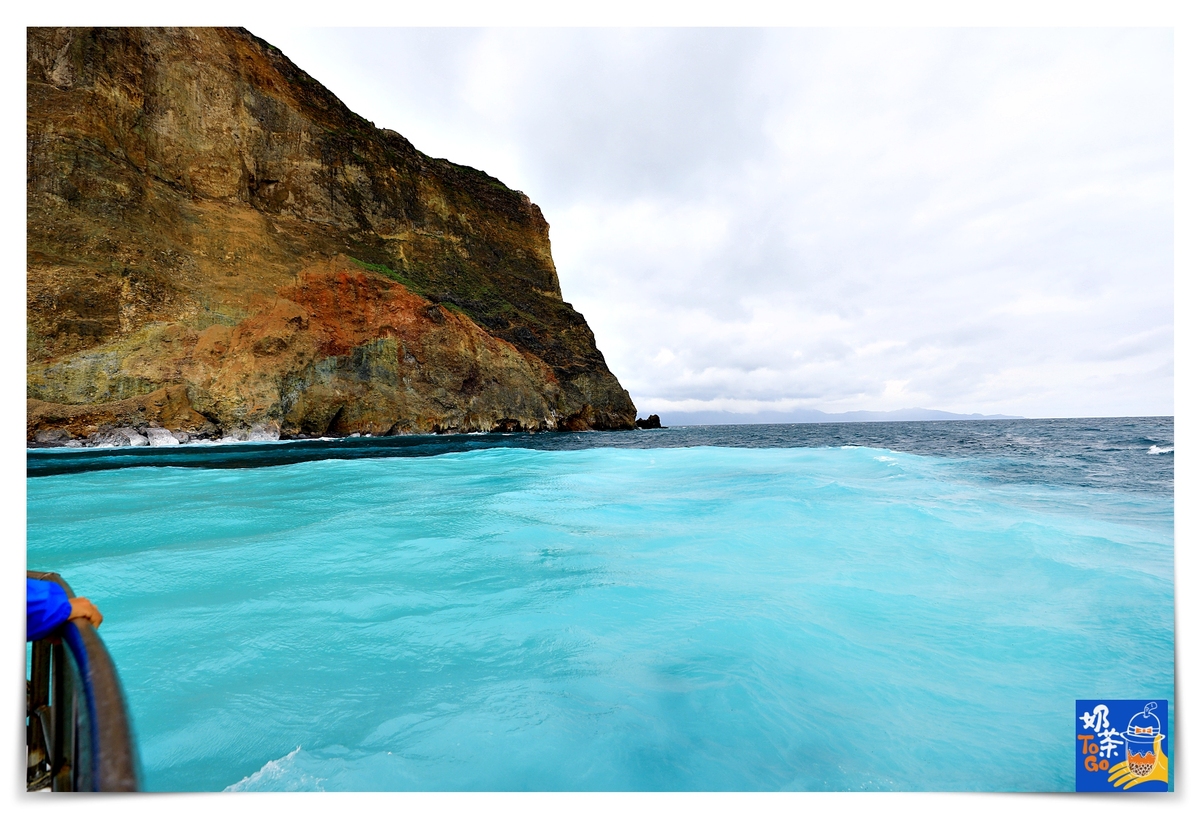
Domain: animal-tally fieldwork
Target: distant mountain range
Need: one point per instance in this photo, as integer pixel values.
(815, 416)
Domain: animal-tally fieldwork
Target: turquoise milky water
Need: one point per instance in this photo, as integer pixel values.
(699, 617)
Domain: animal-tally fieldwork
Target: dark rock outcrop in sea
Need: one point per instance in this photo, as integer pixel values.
(217, 246)
(652, 422)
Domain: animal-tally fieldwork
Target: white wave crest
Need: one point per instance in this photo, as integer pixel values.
(1162, 450)
(278, 775)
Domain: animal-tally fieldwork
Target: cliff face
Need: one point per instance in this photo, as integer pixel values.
(216, 243)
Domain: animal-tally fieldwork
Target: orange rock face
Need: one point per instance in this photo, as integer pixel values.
(346, 350)
(208, 223)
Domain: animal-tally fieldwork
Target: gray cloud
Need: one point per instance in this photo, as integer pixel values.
(970, 220)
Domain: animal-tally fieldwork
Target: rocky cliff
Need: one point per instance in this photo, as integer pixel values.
(217, 244)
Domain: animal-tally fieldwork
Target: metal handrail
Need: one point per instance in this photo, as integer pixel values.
(78, 734)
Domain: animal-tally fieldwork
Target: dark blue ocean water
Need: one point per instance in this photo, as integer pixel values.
(835, 606)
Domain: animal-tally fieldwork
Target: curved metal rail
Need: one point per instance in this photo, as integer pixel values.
(77, 733)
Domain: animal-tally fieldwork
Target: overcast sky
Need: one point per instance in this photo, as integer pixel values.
(969, 220)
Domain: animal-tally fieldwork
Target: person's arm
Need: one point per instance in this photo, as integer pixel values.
(47, 607)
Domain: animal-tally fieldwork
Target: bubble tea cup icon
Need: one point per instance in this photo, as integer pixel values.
(1144, 728)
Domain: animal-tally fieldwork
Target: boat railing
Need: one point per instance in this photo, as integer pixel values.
(78, 734)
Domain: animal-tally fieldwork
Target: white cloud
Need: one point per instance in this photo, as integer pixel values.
(974, 220)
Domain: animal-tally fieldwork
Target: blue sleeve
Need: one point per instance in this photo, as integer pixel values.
(46, 607)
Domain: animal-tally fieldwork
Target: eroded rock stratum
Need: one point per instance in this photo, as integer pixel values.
(217, 244)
